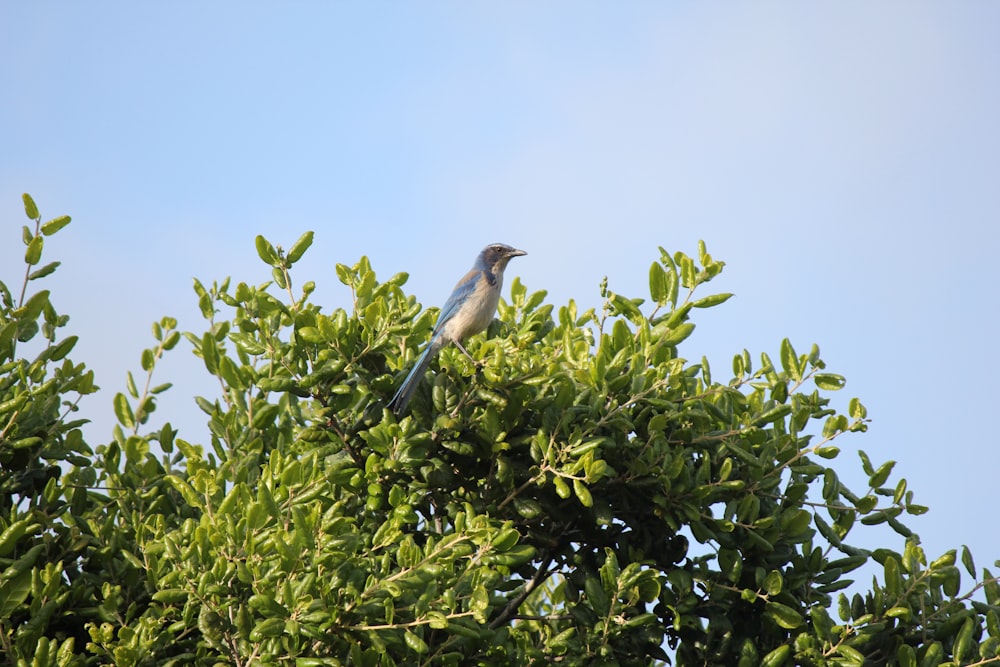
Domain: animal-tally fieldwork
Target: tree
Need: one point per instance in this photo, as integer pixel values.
(582, 495)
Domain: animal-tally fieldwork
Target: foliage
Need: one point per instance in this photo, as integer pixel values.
(47, 551)
(583, 495)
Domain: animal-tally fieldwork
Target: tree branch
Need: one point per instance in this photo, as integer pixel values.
(513, 605)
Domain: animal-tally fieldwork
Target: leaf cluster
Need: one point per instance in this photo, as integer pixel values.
(581, 494)
(47, 551)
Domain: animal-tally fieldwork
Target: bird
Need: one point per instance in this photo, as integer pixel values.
(468, 311)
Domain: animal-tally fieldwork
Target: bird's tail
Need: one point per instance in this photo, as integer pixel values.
(402, 398)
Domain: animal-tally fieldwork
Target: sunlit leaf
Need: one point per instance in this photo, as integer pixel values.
(52, 226)
(299, 247)
(30, 209)
(783, 615)
(34, 252)
(266, 251)
(829, 381)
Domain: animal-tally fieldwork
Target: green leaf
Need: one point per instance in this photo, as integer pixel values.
(880, 476)
(55, 224)
(899, 612)
(437, 620)
(626, 307)
(136, 449)
(783, 615)
(893, 577)
(172, 339)
(528, 507)
(827, 531)
(25, 443)
(726, 469)
(991, 587)
(130, 384)
(583, 493)
(34, 252)
(14, 532)
(147, 360)
(35, 304)
(952, 581)
(506, 539)
(63, 347)
(709, 301)
(678, 334)
(821, 621)
(596, 595)
(688, 271)
(795, 522)
(776, 413)
(310, 335)
(963, 640)
(777, 657)
(299, 247)
(30, 209)
(247, 344)
(345, 274)
(123, 411)
(278, 274)
(15, 581)
(265, 415)
(658, 283)
(414, 642)
(843, 608)
(789, 360)
(171, 596)
(515, 556)
(967, 561)
(933, 655)
(852, 655)
(266, 251)
(866, 463)
(209, 353)
(610, 571)
(586, 446)
(44, 271)
(480, 600)
(829, 381)
(875, 518)
(773, 583)
(271, 627)
(13, 592)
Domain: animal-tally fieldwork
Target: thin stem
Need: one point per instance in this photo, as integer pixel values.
(27, 267)
(511, 607)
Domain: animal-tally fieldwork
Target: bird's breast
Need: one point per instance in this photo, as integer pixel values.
(475, 313)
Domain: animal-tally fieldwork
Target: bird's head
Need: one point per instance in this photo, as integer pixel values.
(496, 255)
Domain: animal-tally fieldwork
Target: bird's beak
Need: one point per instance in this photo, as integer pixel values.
(514, 252)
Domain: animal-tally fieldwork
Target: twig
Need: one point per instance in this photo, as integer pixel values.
(512, 606)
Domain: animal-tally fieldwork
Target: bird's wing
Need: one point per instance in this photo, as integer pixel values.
(463, 290)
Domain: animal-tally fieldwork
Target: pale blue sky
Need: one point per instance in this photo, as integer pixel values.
(842, 158)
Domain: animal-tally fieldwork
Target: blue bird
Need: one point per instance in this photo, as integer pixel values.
(469, 310)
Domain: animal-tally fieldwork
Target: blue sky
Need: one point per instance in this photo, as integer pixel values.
(842, 158)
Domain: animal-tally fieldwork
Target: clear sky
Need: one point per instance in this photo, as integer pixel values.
(842, 158)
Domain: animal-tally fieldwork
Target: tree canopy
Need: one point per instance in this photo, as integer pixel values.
(588, 493)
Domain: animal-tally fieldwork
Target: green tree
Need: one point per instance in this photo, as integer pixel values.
(536, 507)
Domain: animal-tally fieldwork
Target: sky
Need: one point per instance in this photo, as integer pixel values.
(842, 158)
